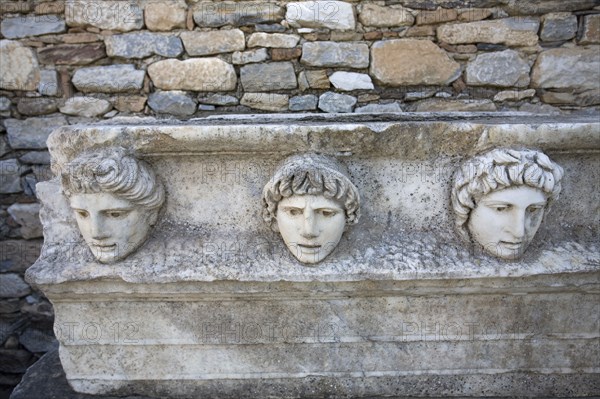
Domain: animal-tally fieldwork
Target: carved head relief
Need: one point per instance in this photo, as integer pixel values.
(310, 200)
(116, 199)
(500, 199)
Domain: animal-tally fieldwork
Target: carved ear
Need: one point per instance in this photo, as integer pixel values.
(153, 217)
(275, 226)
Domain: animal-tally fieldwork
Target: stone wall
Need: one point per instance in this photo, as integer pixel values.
(65, 62)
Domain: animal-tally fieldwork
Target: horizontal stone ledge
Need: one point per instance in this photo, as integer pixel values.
(410, 136)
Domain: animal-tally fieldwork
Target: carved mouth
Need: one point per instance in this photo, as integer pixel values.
(105, 247)
(309, 247)
(515, 246)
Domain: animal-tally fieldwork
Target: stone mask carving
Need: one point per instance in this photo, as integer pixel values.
(500, 198)
(116, 199)
(310, 200)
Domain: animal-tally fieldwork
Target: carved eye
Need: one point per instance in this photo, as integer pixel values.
(534, 209)
(82, 214)
(117, 214)
(294, 212)
(328, 213)
(501, 208)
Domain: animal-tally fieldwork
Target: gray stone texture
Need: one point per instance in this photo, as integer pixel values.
(5, 104)
(304, 103)
(113, 15)
(36, 157)
(216, 14)
(27, 216)
(17, 255)
(38, 341)
(121, 78)
(32, 133)
(509, 31)
(333, 54)
(219, 99)
(379, 108)
(213, 42)
(72, 54)
(13, 286)
(503, 69)
(172, 102)
(248, 57)
(10, 176)
(86, 106)
(268, 77)
(19, 69)
(334, 102)
(567, 68)
(412, 62)
(349, 81)
(31, 25)
(49, 85)
(558, 26)
(197, 74)
(266, 101)
(142, 45)
(37, 106)
(591, 29)
(382, 17)
(440, 105)
(321, 14)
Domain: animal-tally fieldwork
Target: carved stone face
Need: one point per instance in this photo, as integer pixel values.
(505, 221)
(311, 226)
(112, 227)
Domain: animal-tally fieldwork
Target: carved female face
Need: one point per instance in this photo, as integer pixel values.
(112, 227)
(311, 226)
(505, 221)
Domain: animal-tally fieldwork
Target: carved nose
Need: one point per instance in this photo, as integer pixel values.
(98, 229)
(517, 225)
(309, 229)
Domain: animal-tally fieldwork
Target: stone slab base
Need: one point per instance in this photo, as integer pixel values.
(46, 379)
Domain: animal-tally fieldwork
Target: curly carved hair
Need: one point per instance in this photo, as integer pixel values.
(116, 172)
(310, 174)
(499, 169)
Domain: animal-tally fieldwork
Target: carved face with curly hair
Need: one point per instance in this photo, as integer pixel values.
(116, 199)
(310, 200)
(500, 198)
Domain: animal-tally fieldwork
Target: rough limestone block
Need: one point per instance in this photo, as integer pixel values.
(5, 104)
(36, 157)
(273, 40)
(37, 106)
(31, 25)
(10, 176)
(567, 68)
(71, 54)
(268, 77)
(384, 17)
(142, 45)
(49, 85)
(13, 286)
(115, 15)
(336, 103)
(86, 106)
(215, 14)
(32, 133)
(165, 16)
(379, 108)
(304, 103)
(349, 81)
(120, 78)
(248, 57)
(508, 31)
(558, 26)
(412, 62)
(591, 29)
(198, 74)
(219, 99)
(436, 17)
(332, 54)
(514, 95)
(172, 102)
(214, 42)
(131, 103)
(504, 69)
(19, 68)
(321, 14)
(28, 217)
(266, 101)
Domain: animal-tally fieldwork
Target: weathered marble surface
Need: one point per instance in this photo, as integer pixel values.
(215, 298)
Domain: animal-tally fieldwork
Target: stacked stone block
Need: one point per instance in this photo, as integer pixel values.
(71, 61)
